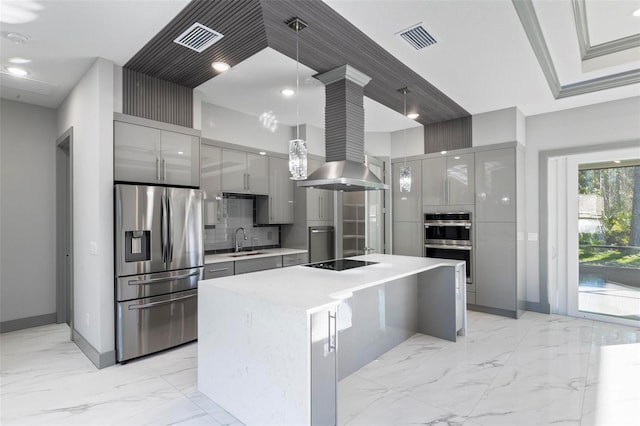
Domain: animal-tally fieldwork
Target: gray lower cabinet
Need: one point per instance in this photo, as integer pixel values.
(324, 380)
(253, 265)
(294, 259)
(217, 270)
(407, 238)
(495, 278)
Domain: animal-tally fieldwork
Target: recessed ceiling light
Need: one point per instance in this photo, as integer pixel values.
(262, 153)
(288, 92)
(636, 12)
(617, 161)
(180, 152)
(220, 66)
(456, 157)
(443, 152)
(18, 60)
(18, 71)
(413, 115)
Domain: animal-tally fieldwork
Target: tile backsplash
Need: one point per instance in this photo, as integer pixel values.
(235, 213)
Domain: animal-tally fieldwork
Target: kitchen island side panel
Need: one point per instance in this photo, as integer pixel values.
(252, 357)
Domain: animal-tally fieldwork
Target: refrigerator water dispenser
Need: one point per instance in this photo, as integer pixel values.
(137, 246)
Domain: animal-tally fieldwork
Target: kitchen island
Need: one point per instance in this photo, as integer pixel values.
(273, 344)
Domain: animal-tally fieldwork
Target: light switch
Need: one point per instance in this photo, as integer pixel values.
(532, 236)
(93, 247)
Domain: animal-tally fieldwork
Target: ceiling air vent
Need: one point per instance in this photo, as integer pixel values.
(198, 37)
(418, 37)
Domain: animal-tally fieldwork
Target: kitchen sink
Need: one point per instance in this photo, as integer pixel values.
(245, 253)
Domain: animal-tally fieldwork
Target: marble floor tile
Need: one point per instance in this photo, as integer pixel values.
(521, 396)
(539, 369)
(399, 408)
(355, 395)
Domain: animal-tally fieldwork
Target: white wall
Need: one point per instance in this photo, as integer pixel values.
(377, 144)
(89, 110)
(603, 123)
(505, 125)
(27, 210)
(409, 143)
(226, 125)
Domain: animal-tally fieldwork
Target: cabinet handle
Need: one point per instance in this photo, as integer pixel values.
(332, 336)
(248, 177)
(218, 270)
(157, 168)
(271, 207)
(164, 169)
(448, 190)
(320, 199)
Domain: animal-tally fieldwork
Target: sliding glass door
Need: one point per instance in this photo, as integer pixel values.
(609, 239)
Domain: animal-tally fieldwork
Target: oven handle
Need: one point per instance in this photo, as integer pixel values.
(451, 247)
(465, 224)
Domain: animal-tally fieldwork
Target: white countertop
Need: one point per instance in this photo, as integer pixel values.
(310, 289)
(226, 257)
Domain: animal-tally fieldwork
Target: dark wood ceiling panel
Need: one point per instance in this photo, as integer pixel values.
(330, 41)
(240, 22)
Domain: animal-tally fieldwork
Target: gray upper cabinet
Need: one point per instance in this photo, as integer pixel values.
(407, 206)
(211, 170)
(146, 154)
(495, 172)
(460, 179)
(211, 182)
(244, 172)
(319, 201)
(277, 208)
(448, 180)
(434, 181)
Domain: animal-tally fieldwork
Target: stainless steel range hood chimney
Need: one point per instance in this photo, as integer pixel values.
(344, 135)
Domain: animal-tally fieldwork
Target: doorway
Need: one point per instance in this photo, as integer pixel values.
(64, 229)
(609, 238)
(591, 274)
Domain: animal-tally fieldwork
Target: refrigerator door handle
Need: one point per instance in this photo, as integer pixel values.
(163, 228)
(164, 302)
(162, 280)
(157, 168)
(170, 239)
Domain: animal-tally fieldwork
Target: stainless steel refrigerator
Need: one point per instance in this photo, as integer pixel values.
(158, 263)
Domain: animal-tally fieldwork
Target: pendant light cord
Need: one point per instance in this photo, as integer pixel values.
(298, 86)
(405, 129)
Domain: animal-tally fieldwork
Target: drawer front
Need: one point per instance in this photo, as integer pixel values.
(294, 259)
(253, 265)
(149, 325)
(217, 270)
(148, 285)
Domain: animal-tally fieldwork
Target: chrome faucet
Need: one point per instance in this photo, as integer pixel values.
(239, 245)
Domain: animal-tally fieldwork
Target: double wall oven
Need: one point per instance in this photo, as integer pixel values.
(448, 236)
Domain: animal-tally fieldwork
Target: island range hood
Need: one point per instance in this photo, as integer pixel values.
(344, 135)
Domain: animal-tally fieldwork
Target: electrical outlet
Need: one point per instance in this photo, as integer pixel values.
(93, 247)
(249, 319)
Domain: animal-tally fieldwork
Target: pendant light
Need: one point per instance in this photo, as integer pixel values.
(297, 146)
(405, 171)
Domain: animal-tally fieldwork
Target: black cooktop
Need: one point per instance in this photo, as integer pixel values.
(340, 264)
